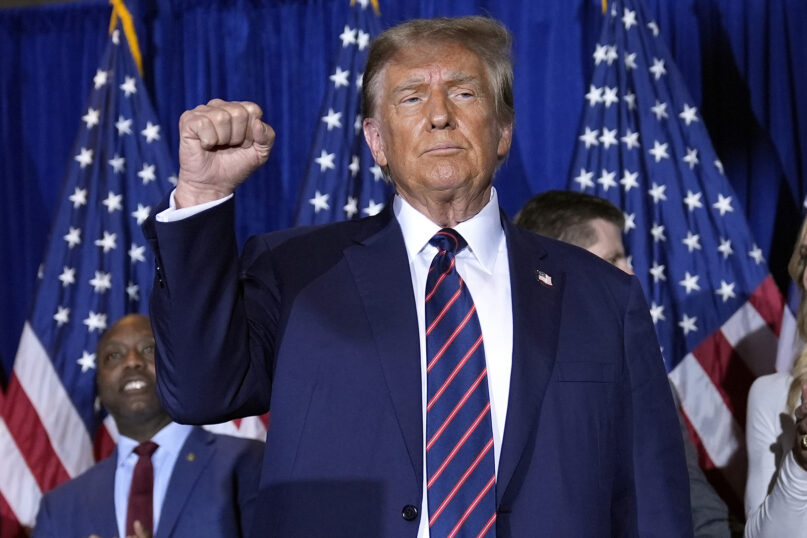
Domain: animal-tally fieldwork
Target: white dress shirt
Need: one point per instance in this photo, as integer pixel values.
(169, 440)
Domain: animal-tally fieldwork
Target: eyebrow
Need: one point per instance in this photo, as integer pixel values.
(454, 78)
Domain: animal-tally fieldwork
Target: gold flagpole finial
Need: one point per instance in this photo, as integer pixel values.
(604, 6)
(374, 3)
(119, 11)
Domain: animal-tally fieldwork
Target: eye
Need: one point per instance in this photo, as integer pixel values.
(411, 100)
(112, 356)
(148, 349)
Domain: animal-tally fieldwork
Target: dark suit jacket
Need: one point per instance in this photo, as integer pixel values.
(211, 493)
(319, 325)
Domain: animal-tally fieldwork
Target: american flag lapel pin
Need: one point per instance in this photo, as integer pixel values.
(543, 278)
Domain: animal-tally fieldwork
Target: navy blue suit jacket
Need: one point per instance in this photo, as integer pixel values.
(319, 325)
(211, 494)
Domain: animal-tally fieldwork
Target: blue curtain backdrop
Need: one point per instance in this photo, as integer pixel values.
(743, 63)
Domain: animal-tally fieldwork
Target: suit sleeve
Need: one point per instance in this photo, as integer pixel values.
(659, 467)
(214, 321)
(44, 526)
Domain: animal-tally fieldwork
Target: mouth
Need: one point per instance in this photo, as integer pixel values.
(134, 386)
(443, 149)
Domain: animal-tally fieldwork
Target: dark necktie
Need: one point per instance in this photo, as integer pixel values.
(141, 503)
(459, 447)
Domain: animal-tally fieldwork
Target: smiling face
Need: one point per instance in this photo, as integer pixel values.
(126, 379)
(435, 127)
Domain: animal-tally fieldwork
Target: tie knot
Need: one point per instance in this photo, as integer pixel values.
(146, 449)
(448, 239)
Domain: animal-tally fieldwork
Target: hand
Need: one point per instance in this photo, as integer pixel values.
(140, 532)
(799, 449)
(220, 145)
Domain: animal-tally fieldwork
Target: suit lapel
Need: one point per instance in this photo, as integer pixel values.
(192, 460)
(380, 269)
(536, 321)
(105, 519)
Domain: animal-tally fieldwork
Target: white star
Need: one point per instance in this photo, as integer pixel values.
(585, 179)
(630, 61)
(693, 200)
(91, 118)
(116, 36)
(689, 114)
(657, 192)
(372, 208)
(589, 138)
(79, 197)
(657, 231)
(719, 166)
(133, 291)
(87, 361)
(137, 253)
(351, 207)
(61, 316)
(756, 254)
(659, 151)
(151, 132)
(68, 276)
(691, 157)
(40, 271)
(607, 180)
(608, 138)
(348, 36)
(359, 80)
(147, 173)
(123, 125)
(377, 172)
(113, 202)
(611, 54)
(660, 110)
(630, 139)
(364, 3)
(100, 78)
(687, 324)
(628, 18)
(320, 201)
(339, 78)
(101, 281)
(726, 290)
(73, 237)
(653, 28)
(690, 282)
(173, 180)
(629, 180)
(363, 40)
(657, 271)
(354, 166)
(84, 158)
(692, 241)
(357, 123)
(594, 95)
(117, 163)
(600, 54)
(108, 242)
(658, 69)
(657, 312)
(142, 213)
(609, 96)
(630, 99)
(129, 87)
(630, 221)
(332, 119)
(723, 204)
(325, 160)
(725, 248)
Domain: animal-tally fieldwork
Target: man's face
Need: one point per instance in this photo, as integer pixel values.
(435, 125)
(608, 245)
(126, 379)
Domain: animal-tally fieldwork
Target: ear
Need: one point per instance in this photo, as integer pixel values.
(505, 139)
(372, 135)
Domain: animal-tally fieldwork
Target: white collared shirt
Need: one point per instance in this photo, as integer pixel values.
(485, 268)
(170, 440)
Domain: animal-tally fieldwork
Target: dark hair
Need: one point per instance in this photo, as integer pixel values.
(566, 215)
(485, 37)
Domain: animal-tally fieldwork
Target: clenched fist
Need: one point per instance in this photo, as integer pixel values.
(220, 145)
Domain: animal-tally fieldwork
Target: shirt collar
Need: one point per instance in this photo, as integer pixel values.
(483, 232)
(171, 438)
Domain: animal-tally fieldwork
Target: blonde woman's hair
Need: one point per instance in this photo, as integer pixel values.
(796, 266)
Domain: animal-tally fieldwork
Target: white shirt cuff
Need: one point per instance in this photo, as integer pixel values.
(173, 214)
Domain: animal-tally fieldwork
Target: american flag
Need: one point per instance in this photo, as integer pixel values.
(717, 311)
(97, 268)
(343, 181)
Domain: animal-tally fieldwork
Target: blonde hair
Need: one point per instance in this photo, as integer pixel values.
(795, 268)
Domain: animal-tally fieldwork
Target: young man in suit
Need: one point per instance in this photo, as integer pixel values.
(432, 370)
(192, 482)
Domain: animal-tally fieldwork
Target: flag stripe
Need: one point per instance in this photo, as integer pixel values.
(18, 487)
(752, 338)
(769, 302)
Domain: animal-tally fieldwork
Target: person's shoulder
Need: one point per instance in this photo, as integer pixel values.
(775, 384)
(86, 481)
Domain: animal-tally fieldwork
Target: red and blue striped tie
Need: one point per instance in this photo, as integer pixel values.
(459, 438)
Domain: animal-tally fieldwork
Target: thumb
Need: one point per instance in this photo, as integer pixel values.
(262, 134)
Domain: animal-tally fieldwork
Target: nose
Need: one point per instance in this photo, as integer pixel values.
(134, 359)
(440, 111)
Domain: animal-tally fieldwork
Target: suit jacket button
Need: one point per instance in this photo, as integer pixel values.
(409, 512)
